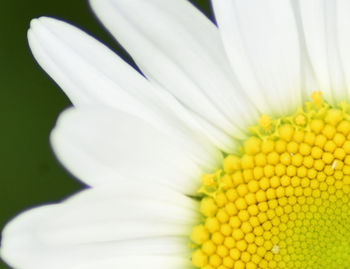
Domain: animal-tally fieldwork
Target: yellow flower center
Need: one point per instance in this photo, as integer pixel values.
(283, 200)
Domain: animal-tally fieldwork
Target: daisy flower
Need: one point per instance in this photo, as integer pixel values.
(230, 150)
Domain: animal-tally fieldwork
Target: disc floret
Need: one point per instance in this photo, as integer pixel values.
(282, 200)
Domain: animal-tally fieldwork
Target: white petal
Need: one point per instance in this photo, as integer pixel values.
(343, 35)
(261, 41)
(177, 47)
(99, 146)
(324, 34)
(102, 225)
(154, 262)
(85, 69)
(90, 73)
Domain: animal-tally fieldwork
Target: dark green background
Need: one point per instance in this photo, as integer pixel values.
(30, 104)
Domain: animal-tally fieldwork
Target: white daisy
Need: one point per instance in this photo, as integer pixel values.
(217, 157)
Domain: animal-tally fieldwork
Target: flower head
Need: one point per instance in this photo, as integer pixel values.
(232, 150)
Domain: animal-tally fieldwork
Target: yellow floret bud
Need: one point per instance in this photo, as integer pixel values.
(226, 229)
(220, 199)
(222, 251)
(237, 178)
(229, 242)
(209, 247)
(199, 258)
(286, 132)
(235, 253)
(212, 224)
(265, 122)
(339, 139)
(253, 186)
(199, 234)
(298, 136)
(252, 145)
(231, 163)
(215, 260)
(208, 180)
(316, 125)
(228, 262)
(280, 146)
(300, 119)
(344, 127)
(292, 147)
(227, 182)
(304, 149)
(273, 158)
(242, 189)
(241, 245)
(232, 194)
(247, 161)
(267, 146)
(260, 159)
(208, 207)
(329, 131)
(231, 208)
(222, 216)
(334, 116)
(309, 138)
(241, 203)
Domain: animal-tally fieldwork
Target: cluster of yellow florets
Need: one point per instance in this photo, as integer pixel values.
(282, 202)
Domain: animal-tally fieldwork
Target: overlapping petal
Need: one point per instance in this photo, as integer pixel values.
(99, 145)
(91, 74)
(142, 142)
(177, 47)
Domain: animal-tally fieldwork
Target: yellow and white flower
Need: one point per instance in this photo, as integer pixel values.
(232, 151)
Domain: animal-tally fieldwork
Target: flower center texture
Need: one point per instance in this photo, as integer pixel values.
(283, 200)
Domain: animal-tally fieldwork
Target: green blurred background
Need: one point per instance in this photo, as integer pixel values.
(30, 104)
